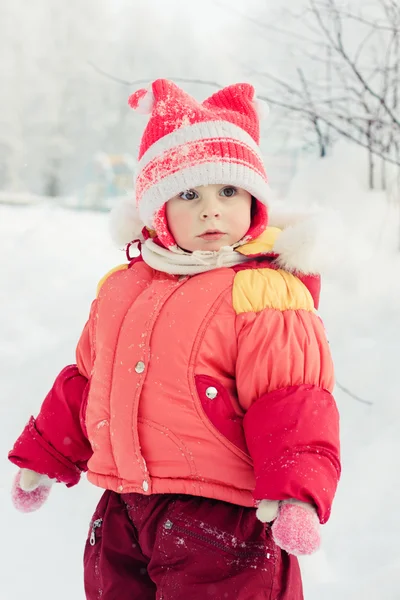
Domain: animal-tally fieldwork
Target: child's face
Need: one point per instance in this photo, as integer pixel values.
(209, 217)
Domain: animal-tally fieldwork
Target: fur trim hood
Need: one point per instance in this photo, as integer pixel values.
(309, 242)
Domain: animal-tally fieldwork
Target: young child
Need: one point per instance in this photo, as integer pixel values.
(201, 395)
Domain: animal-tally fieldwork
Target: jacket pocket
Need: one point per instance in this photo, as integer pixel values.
(218, 407)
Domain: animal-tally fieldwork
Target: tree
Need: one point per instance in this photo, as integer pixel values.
(345, 81)
(55, 112)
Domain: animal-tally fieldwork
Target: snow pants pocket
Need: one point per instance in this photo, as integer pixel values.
(114, 566)
(212, 549)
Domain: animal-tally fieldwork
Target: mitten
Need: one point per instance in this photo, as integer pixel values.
(30, 490)
(296, 527)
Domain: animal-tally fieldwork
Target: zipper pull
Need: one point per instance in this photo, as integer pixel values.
(95, 525)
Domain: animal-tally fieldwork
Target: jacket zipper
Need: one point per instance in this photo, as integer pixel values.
(169, 526)
(97, 523)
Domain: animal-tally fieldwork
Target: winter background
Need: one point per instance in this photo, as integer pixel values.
(330, 70)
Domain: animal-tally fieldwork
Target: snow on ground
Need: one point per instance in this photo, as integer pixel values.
(361, 310)
(51, 260)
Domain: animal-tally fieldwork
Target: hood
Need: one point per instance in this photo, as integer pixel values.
(304, 242)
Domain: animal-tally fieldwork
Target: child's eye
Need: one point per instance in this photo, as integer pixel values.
(188, 195)
(228, 192)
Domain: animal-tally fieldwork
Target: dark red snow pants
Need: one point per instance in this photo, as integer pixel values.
(177, 547)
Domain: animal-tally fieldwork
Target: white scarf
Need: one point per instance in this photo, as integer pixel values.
(176, 261)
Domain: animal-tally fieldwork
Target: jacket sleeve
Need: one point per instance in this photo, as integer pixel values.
(55, 443)
(285, 382)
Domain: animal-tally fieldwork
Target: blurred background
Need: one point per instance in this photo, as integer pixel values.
(327, 76)
(328, 69)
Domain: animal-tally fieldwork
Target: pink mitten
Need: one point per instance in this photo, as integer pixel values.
(296, 525)
(30, 490)
(296, 528)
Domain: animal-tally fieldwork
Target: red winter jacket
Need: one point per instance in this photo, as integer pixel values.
(217, 385)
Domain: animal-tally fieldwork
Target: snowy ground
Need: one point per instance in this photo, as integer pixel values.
(51, 260)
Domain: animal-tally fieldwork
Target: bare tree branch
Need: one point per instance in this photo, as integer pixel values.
(341, 131)
(338, 45)
(266, 26)
(315, 120)
(376, 25)
(146, 81)
(349, 393)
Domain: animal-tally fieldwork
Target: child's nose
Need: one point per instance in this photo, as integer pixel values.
(208, 213)
(210, 208)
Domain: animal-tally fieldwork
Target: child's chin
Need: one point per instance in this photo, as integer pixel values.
(211, 246)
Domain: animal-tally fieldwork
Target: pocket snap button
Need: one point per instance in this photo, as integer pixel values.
(211, 392)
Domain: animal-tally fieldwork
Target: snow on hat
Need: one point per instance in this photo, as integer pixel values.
(187, 144)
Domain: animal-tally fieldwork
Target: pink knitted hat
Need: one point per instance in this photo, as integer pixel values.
(187, 144)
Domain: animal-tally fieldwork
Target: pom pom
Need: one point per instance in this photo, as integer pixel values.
(125, 223)
(25, 501)
(261, 108)
(142, 101)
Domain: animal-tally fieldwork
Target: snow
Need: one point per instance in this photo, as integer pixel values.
(51, 261)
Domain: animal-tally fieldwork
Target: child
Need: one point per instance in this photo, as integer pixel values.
(201, 395)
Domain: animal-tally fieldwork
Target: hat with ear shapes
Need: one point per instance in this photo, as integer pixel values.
(188, 144)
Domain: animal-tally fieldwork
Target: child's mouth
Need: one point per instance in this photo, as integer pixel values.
(212, 235)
